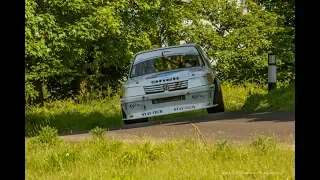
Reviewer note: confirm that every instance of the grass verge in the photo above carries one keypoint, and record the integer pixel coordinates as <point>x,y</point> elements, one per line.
<point>102,158</point>
<point>68,116</point>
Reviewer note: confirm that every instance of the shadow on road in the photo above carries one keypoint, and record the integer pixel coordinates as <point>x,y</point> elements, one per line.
<point>275,116</point>
<point>271,116</point>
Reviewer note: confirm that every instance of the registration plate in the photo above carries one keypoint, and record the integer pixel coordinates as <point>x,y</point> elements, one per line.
<point>168,99</point>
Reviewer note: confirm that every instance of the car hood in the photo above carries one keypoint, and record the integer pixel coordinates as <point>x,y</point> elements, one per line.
<point>167,77</point>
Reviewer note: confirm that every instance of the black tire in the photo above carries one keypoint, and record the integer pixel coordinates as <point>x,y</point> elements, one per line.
<point>124,116</point>
<point>218,99</point>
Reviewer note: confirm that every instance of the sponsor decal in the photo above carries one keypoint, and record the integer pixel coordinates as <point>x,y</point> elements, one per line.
<point>152,112</point>
<point>199,96</point>
<point>167,74</point>
<point>190,107</point>
<point>178,109</point>
<point>177,85</point>
<point>184,108</point>
<point>136,105</point>
<point>162,74</point>
<point>164,80</point>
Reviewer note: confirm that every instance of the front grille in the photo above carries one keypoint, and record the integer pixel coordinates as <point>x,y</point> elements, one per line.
<point>154,89</point>
<point>161,87</point>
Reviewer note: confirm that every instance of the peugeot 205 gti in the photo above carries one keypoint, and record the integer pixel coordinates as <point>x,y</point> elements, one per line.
<point>170,80</point>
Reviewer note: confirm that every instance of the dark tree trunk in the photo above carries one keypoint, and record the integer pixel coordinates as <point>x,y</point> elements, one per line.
<point>38,87</point>
<point>77,87</point>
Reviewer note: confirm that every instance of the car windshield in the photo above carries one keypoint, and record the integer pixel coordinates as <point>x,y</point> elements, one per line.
<point>165,60</point>
<point>165,63</point>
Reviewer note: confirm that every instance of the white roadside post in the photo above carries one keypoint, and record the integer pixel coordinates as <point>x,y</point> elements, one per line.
<point>272,72</point>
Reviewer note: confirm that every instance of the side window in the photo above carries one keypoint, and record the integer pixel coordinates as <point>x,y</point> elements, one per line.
<point>206,58</point>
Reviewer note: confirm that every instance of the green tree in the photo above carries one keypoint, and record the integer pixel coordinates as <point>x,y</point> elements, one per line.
<point>41,61</point>
<point>92,42</point>
<point>237,35</point>
<point>73,41</point>
<point>283,42</point>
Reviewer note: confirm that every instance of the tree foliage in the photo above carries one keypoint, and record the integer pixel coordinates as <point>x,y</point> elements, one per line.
<point>283,42</point>
<point>74,44</point>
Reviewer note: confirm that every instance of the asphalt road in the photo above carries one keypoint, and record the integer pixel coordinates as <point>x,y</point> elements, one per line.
<point>235,126</point>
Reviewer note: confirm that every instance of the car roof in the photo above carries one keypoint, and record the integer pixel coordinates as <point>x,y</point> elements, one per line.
<point>168,47</point>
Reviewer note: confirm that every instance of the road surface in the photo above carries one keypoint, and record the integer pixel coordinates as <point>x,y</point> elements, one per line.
<point>234,126</point>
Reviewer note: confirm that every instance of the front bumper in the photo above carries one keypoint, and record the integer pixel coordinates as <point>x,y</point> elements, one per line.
<point>142,106</point>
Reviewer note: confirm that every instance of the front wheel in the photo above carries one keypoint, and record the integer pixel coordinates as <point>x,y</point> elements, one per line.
<point>217,99</point>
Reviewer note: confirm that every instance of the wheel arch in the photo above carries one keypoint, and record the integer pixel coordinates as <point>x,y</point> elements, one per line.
<point>217,82</point>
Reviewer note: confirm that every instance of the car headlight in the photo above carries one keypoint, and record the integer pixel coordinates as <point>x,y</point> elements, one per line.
<point>122,92</point>
<point>135,91</point>
<point>131,91</point>
<point>209,78</point>
<point>200,81</point>
<point>197,82</point>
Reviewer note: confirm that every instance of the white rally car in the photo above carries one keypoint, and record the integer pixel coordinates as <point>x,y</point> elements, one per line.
<point>170,80</point>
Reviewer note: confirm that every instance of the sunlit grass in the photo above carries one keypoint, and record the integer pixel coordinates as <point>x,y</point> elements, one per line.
<point>100,158</point>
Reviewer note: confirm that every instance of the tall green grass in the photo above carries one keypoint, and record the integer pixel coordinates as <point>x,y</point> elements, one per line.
<point>103,158</point>
<point>68,116</point>
<point>96,109</point>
